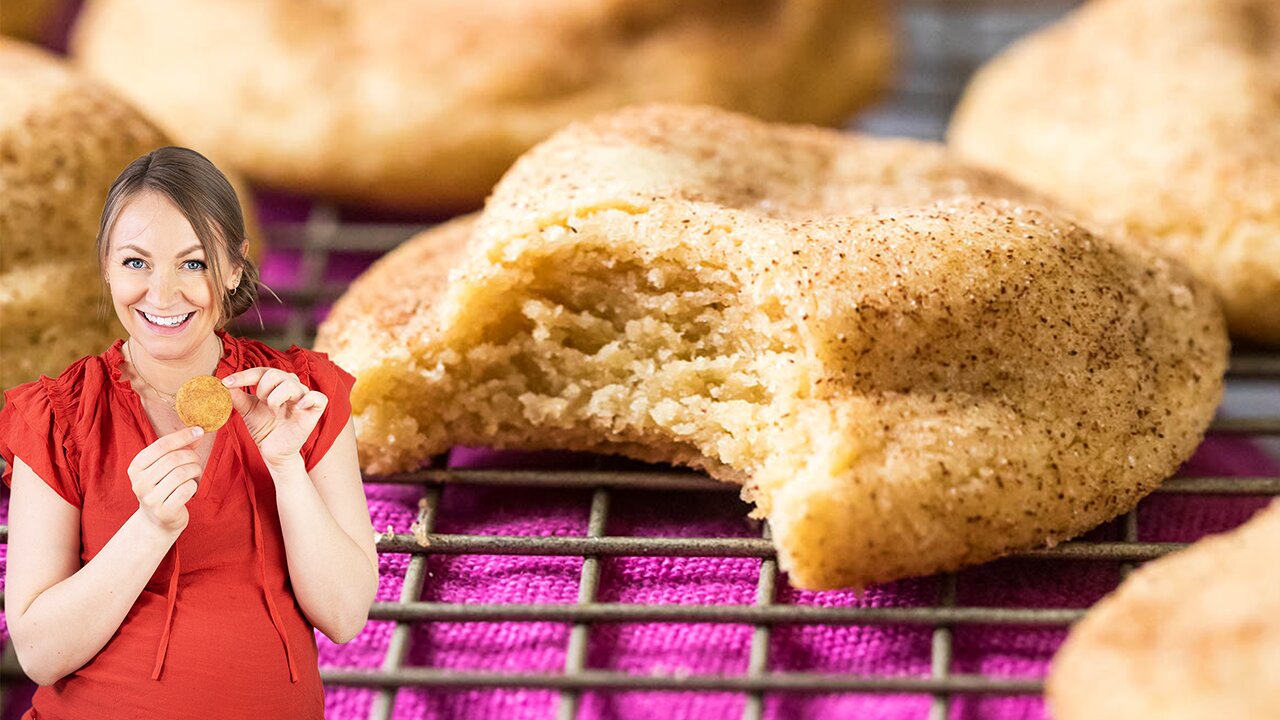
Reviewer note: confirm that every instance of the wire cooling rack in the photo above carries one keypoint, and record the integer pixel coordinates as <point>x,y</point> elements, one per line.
<point>945,40</point>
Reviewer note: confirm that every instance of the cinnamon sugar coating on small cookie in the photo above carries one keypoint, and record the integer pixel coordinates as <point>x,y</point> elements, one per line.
<point>205,402</point>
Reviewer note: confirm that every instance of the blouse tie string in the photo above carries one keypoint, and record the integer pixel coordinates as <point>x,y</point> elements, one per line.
<point>172,599</point>
<point>262,564</point>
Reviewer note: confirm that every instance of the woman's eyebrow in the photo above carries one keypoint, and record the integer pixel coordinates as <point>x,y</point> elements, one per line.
<point>144,253</point>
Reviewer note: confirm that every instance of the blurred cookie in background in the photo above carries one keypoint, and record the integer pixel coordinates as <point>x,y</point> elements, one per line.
<point>63,140</point>
<point>1158,120</point>
<point>423,104</point>
<point>52,314</point>
<point>29,19</point>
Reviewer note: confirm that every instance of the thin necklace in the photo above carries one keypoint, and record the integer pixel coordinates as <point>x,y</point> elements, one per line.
<point>168,399</point>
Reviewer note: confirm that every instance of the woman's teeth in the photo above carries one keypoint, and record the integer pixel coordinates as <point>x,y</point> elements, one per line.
<point>174,321</point>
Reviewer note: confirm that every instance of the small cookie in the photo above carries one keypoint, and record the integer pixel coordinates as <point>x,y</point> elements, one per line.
<point>205,401</point>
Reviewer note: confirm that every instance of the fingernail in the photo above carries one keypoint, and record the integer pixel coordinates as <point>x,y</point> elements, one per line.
<point>226,381</point>
<point>197,431</point>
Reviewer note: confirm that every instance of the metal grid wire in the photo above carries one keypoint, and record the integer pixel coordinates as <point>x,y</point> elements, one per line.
<point>945,39</point>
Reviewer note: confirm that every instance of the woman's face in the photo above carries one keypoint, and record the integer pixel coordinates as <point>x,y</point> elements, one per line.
<point>161,282</point>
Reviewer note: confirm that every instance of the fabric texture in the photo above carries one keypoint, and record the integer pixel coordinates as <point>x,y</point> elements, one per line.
<point>216,633</point>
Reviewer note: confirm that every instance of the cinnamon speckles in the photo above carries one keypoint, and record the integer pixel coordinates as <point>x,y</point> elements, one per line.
<point>205,402</point>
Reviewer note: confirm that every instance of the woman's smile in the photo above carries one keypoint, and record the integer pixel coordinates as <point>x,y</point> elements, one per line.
<point>167,324</point>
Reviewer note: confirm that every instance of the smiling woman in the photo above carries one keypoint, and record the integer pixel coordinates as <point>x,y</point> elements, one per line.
<point>170,232</point>
<point>119,509</point>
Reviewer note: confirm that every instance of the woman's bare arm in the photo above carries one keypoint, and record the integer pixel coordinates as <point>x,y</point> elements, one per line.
<point>328,539</point>
<point>59,613</point>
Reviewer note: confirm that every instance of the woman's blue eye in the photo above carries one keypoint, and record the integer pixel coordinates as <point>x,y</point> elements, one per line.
<point>199,264</point>
<point>139,266</point>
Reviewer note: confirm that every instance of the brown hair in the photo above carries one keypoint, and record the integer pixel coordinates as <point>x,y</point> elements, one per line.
<point>204,196</point>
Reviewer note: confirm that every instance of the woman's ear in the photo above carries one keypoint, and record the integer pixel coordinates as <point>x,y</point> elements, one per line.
<point>244,248</point>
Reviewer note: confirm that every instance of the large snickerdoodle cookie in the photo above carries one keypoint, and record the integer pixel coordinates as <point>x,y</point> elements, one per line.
<point>909,364</point>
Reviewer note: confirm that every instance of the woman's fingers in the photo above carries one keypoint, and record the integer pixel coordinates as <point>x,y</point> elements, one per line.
<point>313,399</point>
<point>285,392</point>
<point>172,482</point>
<point>242,401</point>
<point>164,476</point>
<point>273,381</point>
<point>262,380</point>
<point>181,495</point>
<point>168,462</point>
<point>161,447</point>
<point>273,386</point>
<point>245,378</point>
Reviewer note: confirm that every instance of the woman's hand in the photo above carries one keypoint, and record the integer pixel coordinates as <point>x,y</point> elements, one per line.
<point>281,412</point>
<point>164,476</point>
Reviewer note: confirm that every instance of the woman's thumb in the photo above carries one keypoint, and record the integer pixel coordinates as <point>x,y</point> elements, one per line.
<point>242,401</point>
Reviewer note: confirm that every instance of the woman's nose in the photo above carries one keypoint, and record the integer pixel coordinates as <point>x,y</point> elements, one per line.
<point>162,289</point>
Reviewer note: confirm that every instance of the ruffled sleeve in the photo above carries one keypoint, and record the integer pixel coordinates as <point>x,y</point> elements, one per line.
<point>318,372</point>
<point>33,427</point>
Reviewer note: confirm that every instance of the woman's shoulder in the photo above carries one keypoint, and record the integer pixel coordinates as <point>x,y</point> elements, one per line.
<point>45,419</point>
<point>81,384</point>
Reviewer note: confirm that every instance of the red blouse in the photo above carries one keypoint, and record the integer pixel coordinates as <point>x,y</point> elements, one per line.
<point>217,632</point>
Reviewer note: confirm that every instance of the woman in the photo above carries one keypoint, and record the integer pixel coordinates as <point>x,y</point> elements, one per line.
<point>155,570</point>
